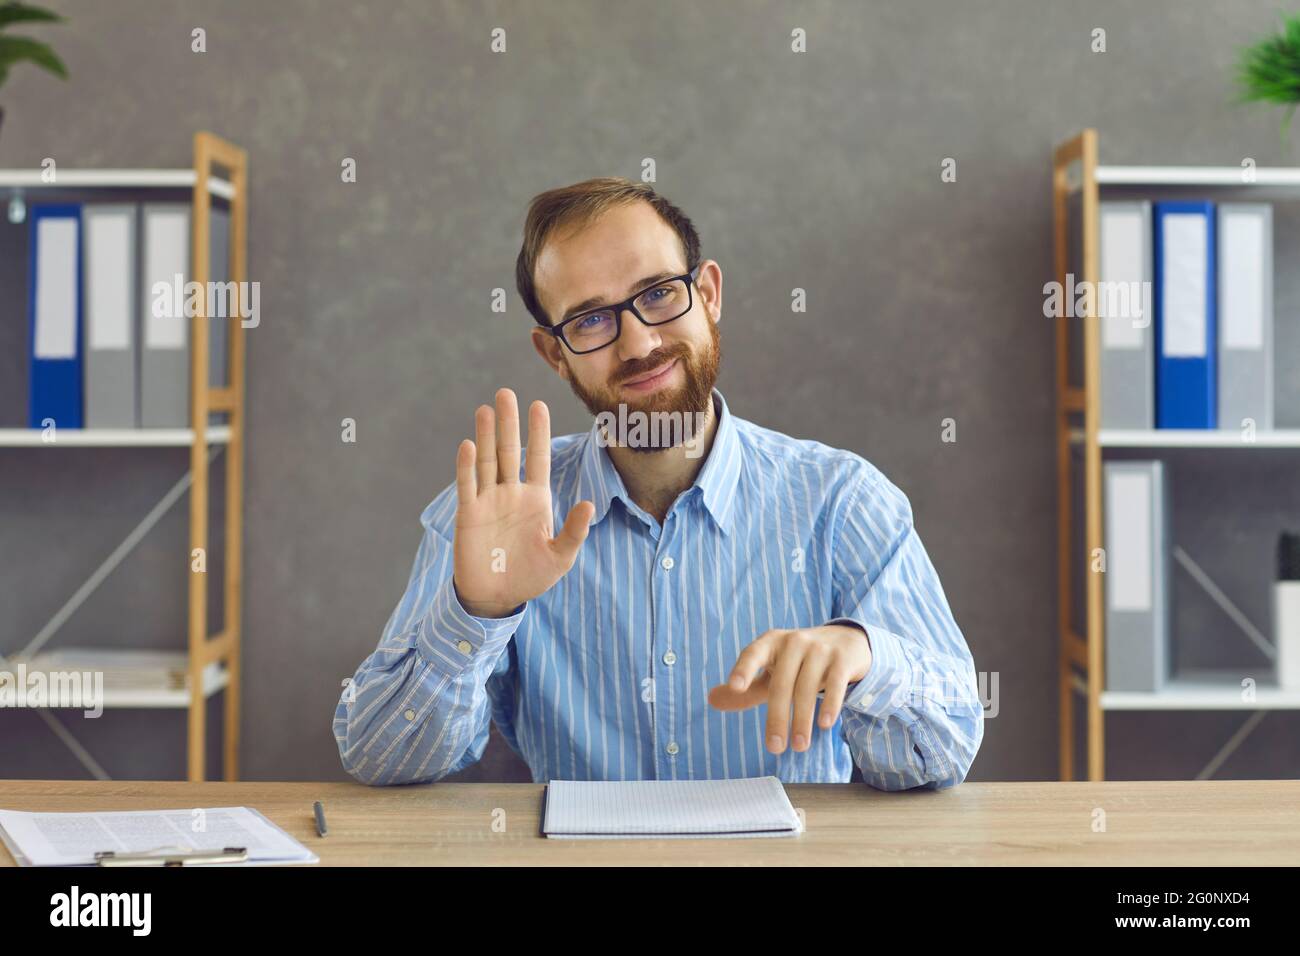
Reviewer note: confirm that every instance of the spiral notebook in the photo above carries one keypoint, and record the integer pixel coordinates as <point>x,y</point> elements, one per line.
<point>666,809</point>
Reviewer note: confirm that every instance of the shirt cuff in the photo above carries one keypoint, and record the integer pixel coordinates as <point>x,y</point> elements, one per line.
<point>888,683</point>
<point>450,638</point>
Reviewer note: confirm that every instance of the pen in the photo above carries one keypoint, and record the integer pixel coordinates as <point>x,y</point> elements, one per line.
<point>320,819</point>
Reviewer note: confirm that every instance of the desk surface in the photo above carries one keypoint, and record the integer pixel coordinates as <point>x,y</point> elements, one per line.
<point>1161,823</point>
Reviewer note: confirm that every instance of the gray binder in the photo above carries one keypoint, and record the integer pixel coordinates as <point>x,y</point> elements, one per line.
<point>1126,316</point>
<point>1245,277</point>
<point>1138,653</point>
<point>109,276</point>
<point>164,339</point>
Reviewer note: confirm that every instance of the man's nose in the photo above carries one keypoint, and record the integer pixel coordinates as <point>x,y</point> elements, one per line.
<point>636,339</point>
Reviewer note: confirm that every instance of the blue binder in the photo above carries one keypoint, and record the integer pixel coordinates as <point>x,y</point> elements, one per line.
<point>54,316</point>
<point>1185,306</point>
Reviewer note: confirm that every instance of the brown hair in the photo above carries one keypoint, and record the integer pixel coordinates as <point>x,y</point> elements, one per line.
<point>580,204</point>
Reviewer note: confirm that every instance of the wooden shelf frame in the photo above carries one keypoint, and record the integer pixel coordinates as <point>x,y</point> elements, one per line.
<point>211,151</point>
<point>1083,652</point>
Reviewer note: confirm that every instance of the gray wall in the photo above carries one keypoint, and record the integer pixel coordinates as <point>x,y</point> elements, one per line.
<point>819,171</point>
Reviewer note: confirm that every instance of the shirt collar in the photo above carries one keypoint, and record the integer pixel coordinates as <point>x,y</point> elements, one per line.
<point>600,482</point>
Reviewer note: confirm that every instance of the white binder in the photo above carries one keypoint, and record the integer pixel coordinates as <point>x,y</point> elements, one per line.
<point>1138,654</point>
<point>1124,305</point>
<point>1245,274</point>
<point>164,338</point>
<point>110,272</point>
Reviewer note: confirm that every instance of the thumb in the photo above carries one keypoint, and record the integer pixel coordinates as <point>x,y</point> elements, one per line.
<point>569,540</point>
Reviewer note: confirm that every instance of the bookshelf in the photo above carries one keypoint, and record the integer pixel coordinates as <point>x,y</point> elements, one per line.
<point>210,663</point>
<point>1076,171</point>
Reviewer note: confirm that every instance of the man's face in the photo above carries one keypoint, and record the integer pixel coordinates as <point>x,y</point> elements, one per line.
<point>662,368</point>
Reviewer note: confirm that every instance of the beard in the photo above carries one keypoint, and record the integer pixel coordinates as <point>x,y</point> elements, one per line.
<point>690,400</point>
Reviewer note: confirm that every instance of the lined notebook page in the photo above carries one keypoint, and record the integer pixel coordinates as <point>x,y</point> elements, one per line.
<point>656,809</point>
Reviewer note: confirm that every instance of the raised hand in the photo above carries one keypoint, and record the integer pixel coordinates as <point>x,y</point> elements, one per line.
<point>505,550</point>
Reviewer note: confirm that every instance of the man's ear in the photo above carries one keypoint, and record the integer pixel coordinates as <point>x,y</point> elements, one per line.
<point>548,347</point>
<point>710,282</point>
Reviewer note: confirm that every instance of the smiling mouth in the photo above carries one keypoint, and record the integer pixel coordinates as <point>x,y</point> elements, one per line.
<point>654,377</point>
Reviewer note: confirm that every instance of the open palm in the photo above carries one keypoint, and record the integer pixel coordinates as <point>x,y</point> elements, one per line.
<point>506,551</point>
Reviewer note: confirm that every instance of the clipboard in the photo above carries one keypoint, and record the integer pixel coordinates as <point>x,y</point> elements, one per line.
<point>172,856</point>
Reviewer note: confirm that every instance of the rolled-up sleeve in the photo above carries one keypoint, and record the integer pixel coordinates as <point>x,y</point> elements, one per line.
<point>916,719</point>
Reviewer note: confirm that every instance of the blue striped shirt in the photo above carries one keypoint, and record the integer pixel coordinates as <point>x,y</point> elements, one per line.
<point>606,675</point>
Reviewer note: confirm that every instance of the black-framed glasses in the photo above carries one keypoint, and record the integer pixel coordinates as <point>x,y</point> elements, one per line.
<point>662,302</point>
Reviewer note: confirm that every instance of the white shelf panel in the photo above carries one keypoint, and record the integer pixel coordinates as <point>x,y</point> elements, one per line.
<point>1194,176</point>
<point>215,678</point>
<point>109,437</point>
<point>1191,438</point>
<point>1206,690</point>
<point>114,178</point>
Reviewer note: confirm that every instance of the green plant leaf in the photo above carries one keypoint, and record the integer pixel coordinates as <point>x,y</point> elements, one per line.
<point>23,13</point>
<point>16,49</point>
<point>1269,71</point>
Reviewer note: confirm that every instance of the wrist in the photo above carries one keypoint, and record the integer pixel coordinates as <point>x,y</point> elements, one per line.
<point>484,609</point>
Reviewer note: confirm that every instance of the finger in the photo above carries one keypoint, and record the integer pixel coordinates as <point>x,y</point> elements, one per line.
<point>466,491</point>
<point>569,540</point>
<point>752,659</point>
<point>837,685</point>
<point>785,669</point>
<point>537,466</point>
<point>508,442</point>
<point>806,686</point>
<point>485,430</point>
<point>724,697</point>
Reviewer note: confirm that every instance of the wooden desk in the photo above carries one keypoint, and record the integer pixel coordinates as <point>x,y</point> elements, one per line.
<point>1177,823</point>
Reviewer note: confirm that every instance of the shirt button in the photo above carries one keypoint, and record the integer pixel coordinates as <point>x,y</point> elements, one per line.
<point>409,715</point>
<point>667,563</point>
<point>670,658</point>
<point>672,749</point>
<point>464,647</point>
